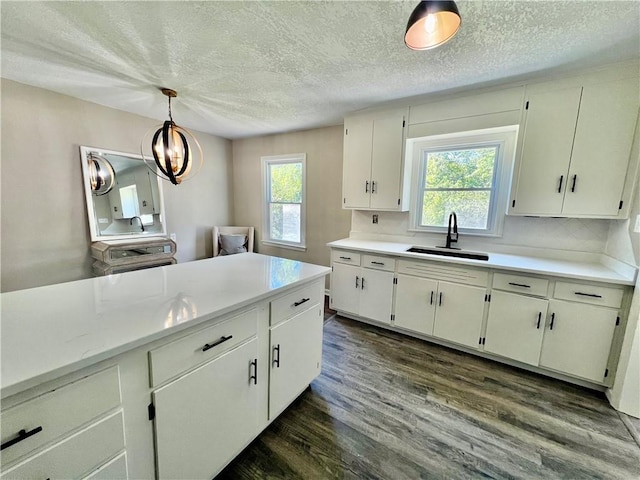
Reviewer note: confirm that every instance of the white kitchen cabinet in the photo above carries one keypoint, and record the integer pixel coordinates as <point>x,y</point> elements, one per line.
<point>204,418</point>
<point>459,313</point>
<point>374,176</point>
<point>578,339</point>
<point>575,150</point>
<point>362,291</point>
<point>445,310</point>
<point>296,357</point>
<point>415,304</point>
<point>515,326</point>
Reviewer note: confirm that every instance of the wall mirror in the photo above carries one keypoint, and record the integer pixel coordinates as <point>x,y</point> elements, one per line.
<point>124,197</point>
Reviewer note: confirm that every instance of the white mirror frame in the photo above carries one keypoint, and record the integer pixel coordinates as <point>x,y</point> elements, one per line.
<point>96,236</point>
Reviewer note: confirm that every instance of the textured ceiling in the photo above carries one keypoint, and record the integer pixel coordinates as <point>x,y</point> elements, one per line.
<point>251,68</point>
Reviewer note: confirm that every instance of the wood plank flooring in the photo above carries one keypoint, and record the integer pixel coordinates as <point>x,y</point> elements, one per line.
<point>392,407</point>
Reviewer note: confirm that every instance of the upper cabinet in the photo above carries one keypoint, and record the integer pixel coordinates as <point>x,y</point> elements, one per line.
<point>575,150</point>
<point>374,176</point>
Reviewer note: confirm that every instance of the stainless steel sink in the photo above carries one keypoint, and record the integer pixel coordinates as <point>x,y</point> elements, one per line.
<point>449,253</point>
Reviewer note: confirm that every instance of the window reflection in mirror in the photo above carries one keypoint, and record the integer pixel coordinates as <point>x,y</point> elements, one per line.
<point>133,208</point>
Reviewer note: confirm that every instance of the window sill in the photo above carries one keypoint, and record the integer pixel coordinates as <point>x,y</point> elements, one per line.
<point>460,232</point>
<point>270,243</point>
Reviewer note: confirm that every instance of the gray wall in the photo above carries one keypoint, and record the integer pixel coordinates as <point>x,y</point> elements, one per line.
<point>326,220</point>
<point>43,227</point>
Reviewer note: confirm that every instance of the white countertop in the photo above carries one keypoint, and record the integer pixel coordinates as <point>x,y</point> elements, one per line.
<point>53,330</point>
<point>589,267</point>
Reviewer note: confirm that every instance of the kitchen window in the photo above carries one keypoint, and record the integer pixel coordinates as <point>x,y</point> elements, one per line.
<point>284,200</point>
<point>467,173</point>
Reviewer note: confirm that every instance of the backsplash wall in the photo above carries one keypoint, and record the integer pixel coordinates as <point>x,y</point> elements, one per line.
<point>584,235</point>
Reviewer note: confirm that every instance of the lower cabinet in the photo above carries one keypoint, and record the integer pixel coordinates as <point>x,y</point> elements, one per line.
<point>459,313</point>
<point>204,418</point>
<point>362,291</point>
<point>515,326</point>
<point>578,339</point>
<point>296,354</point>
<point>445,310</point>
<point>569,337</point>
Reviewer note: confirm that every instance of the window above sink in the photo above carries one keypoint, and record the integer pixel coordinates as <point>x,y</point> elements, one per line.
<point>465,172</point>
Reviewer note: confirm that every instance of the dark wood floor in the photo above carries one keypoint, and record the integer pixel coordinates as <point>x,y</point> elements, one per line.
<point>391,407</point>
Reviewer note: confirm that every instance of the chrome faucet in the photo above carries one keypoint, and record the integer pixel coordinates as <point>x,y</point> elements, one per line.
<point>453,218</point>
<point>140,220</point>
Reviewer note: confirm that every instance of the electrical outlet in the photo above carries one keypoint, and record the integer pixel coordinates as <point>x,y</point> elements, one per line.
<point>636,227</point>
<point>172,236</point>
<point>375,218</point>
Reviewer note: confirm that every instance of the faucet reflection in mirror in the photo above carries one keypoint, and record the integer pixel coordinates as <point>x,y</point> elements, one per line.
<point>173,156</point>
<point>133,207</point>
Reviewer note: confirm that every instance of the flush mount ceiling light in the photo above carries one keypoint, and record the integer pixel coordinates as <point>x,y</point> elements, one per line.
<point>101,174</point>
<point>431,24</point>
<point>172,154</point>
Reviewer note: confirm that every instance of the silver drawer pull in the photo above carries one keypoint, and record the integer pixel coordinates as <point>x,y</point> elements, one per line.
<point>304,300</point>
<point>377,263</point>
<point>593,295</point>
<point>519,285</point>
<point>208,346</point>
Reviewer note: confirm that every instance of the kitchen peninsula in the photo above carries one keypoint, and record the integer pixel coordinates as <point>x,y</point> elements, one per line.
<point>164,372</point>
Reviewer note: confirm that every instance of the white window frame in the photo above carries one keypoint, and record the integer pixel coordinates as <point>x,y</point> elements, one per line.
<point>504,137</point>
<point>267,161</point>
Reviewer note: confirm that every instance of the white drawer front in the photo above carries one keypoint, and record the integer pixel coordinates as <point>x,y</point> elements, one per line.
<point>59,412</point>
<point>187,352</point>
<point>441,271</point>
<point>115,469</point>
<point>593,294</point>
<point>343,256</point>
<point>297,301</point>
<point>76,455</point>
<point>380,263</point>
<point>521,284</point>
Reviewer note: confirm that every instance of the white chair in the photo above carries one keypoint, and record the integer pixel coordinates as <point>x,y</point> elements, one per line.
<point>226,235</point>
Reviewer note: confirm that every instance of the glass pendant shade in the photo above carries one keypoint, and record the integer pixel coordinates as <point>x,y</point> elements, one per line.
<point>173,150</point>
<point>102,177</point>
<point>431,24</point>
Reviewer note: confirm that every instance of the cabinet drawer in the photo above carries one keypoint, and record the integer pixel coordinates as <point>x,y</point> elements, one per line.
<point>593,294</point>
<point>521,284</point>
<point>187,352</point>
<point>297,301</point>
<point>442,271</point>
<point>115,469</point>
<point>76,455</point>
<point>381,263</point>
<point>56,413</point>
<point>342,256</point>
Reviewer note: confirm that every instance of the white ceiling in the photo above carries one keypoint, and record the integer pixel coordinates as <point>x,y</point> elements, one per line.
<point>251,68</point>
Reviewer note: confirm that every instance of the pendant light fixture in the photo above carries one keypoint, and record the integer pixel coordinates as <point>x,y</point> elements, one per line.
<point>172,153</point>
<point>431,24</point>
<point>102,177</point>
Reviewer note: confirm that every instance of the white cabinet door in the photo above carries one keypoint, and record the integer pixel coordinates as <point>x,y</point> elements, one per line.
<point>345,288</point>
<point>600,157</point>
<point>356,180</point>
<point>143,188</point>
<point>578,339</point>
<point>459,313</point>
<point>206,417</point>
<point>546,151</point>
<point>376,294</point>
<point>296,356</point>
<point>386,162</point>
<point>515,326</point>
<point>415,303</point>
